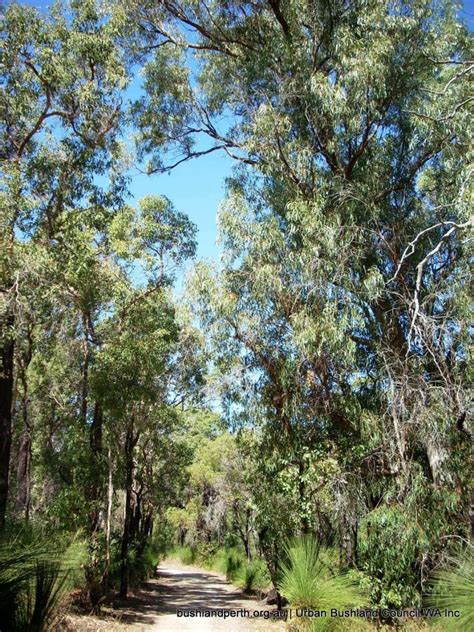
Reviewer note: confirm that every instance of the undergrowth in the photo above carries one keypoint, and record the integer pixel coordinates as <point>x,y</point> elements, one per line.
<point>252,576</point>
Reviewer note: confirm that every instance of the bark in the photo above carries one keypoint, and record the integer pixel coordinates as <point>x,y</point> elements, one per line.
<point>471,517</point>
<point>6,399</point>
<point>96,430</point>
<point>244,532</point>
<point>302,493</point>
<point>248,529</point>
<point>147,525</point>
<point>130,442</point>
<point>110,496</point>
<point>437,456</point>
<point>136,516</point>
<point>95,493</point>
<point>349,543</point>
<point>85,381</point>
<point>23,497</point>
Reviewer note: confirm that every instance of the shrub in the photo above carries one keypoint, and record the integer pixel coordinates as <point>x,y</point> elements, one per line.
<point>33,582</point>
<point>391,543</point>
<point>307,582</point>
<point>454,589</point>
<point>234,561</point>
<point>144,560</point>
<point>185,554</point>
<point>255,576</point>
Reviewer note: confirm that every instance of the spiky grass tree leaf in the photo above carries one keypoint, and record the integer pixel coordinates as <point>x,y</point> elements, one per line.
<point>33,581</point>
<point>301,574</point>
<point>454,590</point>
<point>308,583</point>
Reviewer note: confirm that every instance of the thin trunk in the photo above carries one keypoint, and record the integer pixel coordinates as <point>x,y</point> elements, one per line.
<point>110,496</point>
<point>136,516</point>
<point>302,493</point>
<point>96,430</point>
<point>130,443</point>
<point>95,439</point>
<point>248,530</point>
<point>23,497</point>
<point>6,399</point>
<point>471,517</point>
<point>349,543</point>
<point>85,372</point>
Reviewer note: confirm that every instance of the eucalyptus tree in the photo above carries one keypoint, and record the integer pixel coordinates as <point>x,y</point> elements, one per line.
<point>107,369</point>
<point>136,373</point>
<point>61,109</point>
<point>341,308</point>
<point>96,362</point>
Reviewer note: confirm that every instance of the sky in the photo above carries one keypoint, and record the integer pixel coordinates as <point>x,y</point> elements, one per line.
<point>197,186</point>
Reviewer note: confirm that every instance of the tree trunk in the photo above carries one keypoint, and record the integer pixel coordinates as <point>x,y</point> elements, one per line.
<point>349,543</point>
<point>85,382</point>
<point>130,443</point>
<point>302,494</point>
<point>23,497</point>
<point>96,430</point>
<point>95,438</point>
<point>110,497</point>
<point>6,399</point>
<point>248,530</point>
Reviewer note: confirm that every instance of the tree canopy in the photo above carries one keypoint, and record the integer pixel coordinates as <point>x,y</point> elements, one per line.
<point>334,332</point>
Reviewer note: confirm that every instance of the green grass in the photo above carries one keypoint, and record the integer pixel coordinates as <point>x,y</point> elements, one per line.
<point>185,554</point>
<point>255,577</point>
<point>230,561</point>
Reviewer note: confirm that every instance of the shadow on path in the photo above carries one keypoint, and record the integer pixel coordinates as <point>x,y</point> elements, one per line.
<point>185,590</point>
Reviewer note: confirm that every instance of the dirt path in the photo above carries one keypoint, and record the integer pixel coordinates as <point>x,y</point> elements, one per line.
<point>189,588</point>
<point>182,588</point>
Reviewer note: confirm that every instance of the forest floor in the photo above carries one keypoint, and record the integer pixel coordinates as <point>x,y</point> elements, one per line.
<point>180,588</point>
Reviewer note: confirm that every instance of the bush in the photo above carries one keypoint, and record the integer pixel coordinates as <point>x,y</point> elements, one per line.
<point>255,577</point>
<point>234,561</point>
<point>185,554</point>
<point>454,589</point>
<point>144,560</point>
<point>391,543</point>
<point>34,579</point>
<point>307,582</point>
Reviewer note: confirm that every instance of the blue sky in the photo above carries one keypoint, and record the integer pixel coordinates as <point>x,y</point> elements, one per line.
<point>197,186</point>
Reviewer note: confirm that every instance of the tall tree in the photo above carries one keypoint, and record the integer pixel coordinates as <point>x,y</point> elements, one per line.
<point>60,112</point>
<point>343,294</point>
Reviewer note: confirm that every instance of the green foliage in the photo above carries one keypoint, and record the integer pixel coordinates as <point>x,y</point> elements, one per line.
<point>336,324</point>
<point>143,560</point>
<point>34,580</point>
<point>454,590</point>
<point>307,582</point>
<point>255,576</point>
<point>391,544</point>
<point>233,562</point>
<point>252,575</point>
<point>185,554</point>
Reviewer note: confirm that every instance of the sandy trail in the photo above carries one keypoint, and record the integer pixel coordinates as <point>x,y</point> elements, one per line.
<point>192,588</point>
<point>178,587</point>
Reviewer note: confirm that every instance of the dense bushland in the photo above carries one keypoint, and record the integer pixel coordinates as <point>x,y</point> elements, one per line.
<point>333,336</point>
